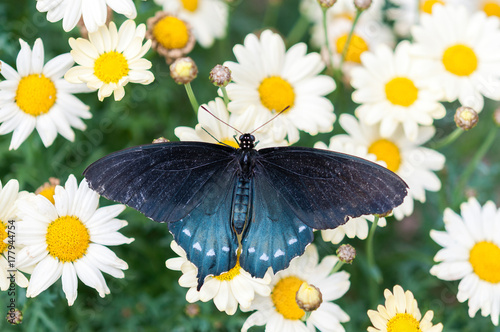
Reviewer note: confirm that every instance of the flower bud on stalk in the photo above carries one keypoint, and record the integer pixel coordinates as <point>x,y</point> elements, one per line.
<point>466,118</point>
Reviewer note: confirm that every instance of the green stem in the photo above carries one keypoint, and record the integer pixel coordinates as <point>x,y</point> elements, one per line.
<point>327,41</point>
<point>349,37</point>
<point>348,41</point>
<point>337,267</point>
<point>448,139</point>
<point>374,270</point>
<point>224,94</point>
<point>297,31</point>
<point>192,98</point>
<point>472,166</point>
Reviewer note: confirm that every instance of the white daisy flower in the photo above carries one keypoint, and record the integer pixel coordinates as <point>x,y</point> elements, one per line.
<point>395,90</point>
<point>9,246</point>
<point>36,96</point>
<point>355,227</point>
<point>226,290</point>
<point>280,311</point>
<point>208,18</point>
<point>471,254</point>
<point>209,129</point>
<point>94,13</point>
<point>401,313</point>
<point>271,79</point>
<point>412,162</point>
<point>68,240</point>
<point>110,59</point>
<point>463,52</point>
<point>407,12</point>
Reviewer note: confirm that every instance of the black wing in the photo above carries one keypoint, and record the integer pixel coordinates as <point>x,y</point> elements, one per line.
<point>324,188</point>
<point>165,181</point>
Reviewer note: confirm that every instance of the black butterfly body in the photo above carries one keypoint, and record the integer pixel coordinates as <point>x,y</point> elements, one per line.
<point>217,199</point>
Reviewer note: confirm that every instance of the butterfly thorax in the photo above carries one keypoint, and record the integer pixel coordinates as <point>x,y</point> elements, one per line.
<point>246,156</point>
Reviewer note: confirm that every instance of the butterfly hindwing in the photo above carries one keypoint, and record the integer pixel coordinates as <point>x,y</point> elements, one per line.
<point>275,234</point>
<point>325,188</point>
<point>206,234</point>
<point>164,181</point>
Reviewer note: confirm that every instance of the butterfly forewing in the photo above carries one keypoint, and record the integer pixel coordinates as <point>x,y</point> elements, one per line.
<point>324,188</point>
<point>164,181</point>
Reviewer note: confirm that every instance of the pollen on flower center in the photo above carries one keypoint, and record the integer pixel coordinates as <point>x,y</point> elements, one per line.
<point>36,94</point>
<point>276,94</point>
<point>67,239</point>
<point>283,297</point>
<point>230,142</point>
<point>190,5</point>
<point>387,151</point>
<point>110,67</point>
<point>403,322</point>
<point>401,91</point>
<point>171,32</point>
<point>426,5</point>
<point>485,260</point>
<point>357,46</point>
<point>491,8</point>
<point>3,236</point>
<point>229,275</point>
<point>460,60</point>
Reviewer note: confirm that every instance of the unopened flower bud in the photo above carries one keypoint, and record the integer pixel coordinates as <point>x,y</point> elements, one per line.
<point>466,118</point>
<point>160,140</point>
<point>183,70</point>
<point>362,4</point>
<point>326,3</point>
<point>220,76</point>
<point>308,297</point>
<point>346,253</point>
<point>496,116</point>
<point>192,310</point>
<point>15,316</point>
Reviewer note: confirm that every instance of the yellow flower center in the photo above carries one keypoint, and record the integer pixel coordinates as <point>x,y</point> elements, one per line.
<point>403,323</point>
<point>110,67</point>
<point>67,239</point>
<point>386,151</point>
<point>283,296</point>
<point>36,94</point>
<point>48,192</point>
<point>190,5</point>
<point>171,32</point>
<point>3,236</point>
<point>401,91</point>
<point>357,46</point>
<point>276,93</point>
<point>426,5</point>
<point>229,275</point>
<point>230,142</point>
<point>460,60</point>
<point>485,260</point>
<point>491,8</point>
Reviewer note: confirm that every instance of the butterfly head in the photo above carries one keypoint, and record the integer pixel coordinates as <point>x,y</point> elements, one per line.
<point>247,141</point>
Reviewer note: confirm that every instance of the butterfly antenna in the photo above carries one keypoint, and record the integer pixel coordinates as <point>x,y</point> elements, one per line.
<point>274,117</point>
<point>224,122</point>
<point>215,138</point>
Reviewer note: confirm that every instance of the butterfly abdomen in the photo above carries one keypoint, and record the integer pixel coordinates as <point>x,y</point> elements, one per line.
<point>241,204</point>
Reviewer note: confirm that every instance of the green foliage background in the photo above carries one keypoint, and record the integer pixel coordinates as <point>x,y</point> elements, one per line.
<point>149,297</point>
